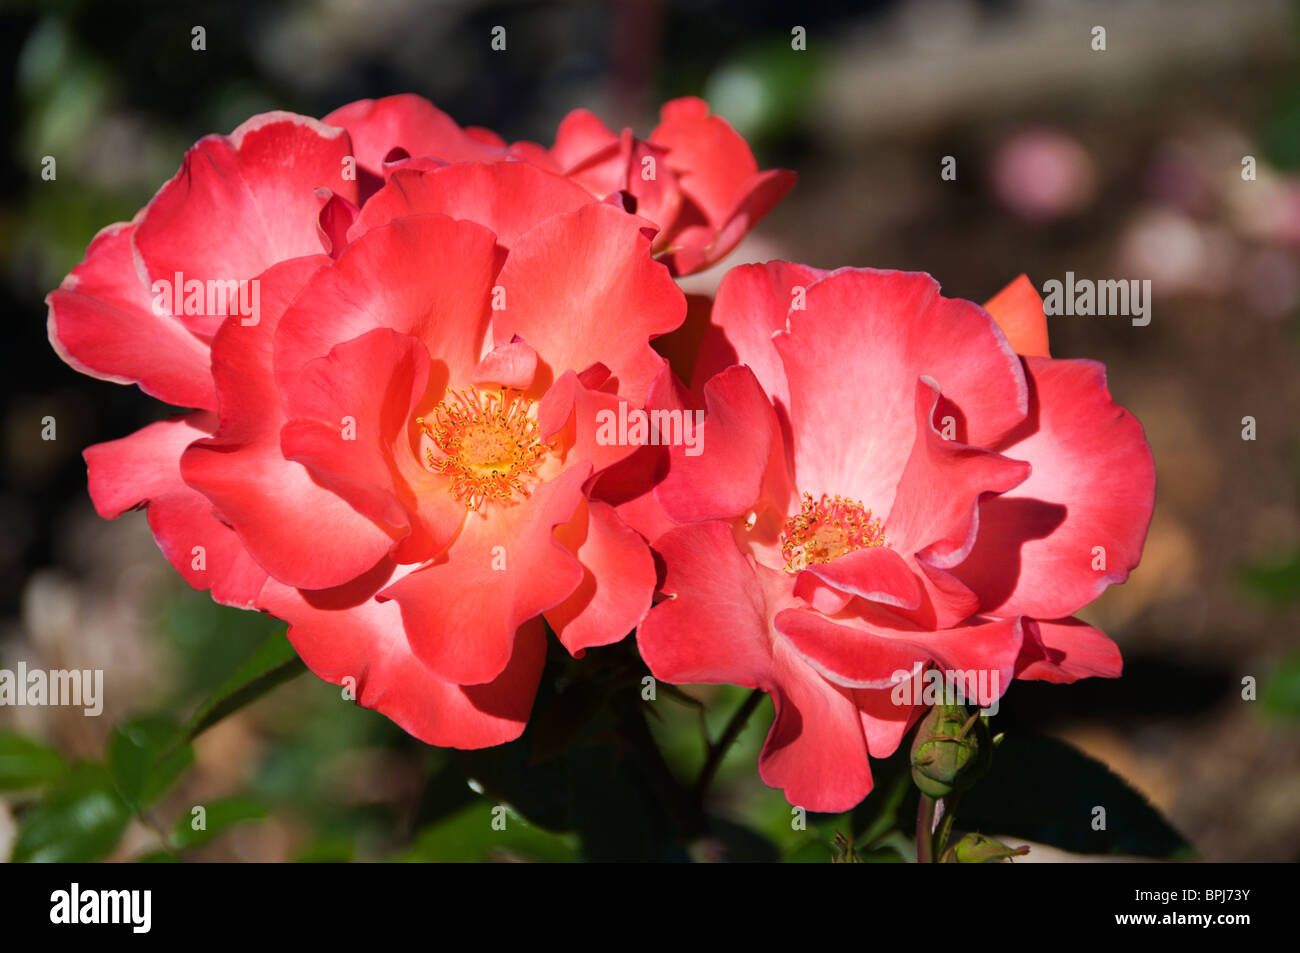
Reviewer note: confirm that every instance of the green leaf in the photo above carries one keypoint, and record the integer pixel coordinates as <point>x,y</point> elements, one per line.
<point>27,764</point>
<point>1275,583</point>
<point>218,817</point>
<point>210,640</point>
<point>810,852</point>
<point>81,819</point>
<point>1281,134</point>
<point>144,759</point>
<point>1282,690</point>
<point>272,663</point>
<point>1046,791</point>
<point>470,835</point>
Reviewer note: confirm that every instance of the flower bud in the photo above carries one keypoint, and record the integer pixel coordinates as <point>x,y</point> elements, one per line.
<point>948,742</point>
<point>979,849</point>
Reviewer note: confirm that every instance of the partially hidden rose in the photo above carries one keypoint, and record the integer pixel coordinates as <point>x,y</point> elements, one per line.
<point>694,177</point>
<point>891,482</point>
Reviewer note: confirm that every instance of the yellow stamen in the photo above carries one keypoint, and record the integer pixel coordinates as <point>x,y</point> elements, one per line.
<point>826,529</point>
<point>491,446</point>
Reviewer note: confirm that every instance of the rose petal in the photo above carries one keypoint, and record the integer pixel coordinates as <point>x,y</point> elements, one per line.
<point>345,633</point>
<point>505,568</point>
<point>142,470</point>
<point>102,323</point>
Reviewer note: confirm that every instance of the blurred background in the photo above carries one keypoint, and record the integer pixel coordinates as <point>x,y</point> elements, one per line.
<point>1125,163</point>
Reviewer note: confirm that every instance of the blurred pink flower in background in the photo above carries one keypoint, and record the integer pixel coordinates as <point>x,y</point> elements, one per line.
<point>1043,175</point>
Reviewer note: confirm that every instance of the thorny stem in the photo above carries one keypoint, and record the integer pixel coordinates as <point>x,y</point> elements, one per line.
<point>718,751</point>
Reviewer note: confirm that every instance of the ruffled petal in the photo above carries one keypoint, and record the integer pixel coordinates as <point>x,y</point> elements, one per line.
<point>583,424</point>
<point>935,511</point>
<point>510,365</point>
<point>301,533</point>
<point>261,184</point>
<point>581,288</point>
<point>348,413</point>
<point>876,573</point>
<point>1078,523</point>
<point>143,470</point>
<point>1066,650</point>
<point>852,358</point>
<point>508,197</point>
<point>884,723</point>
<point>412,124</point>
<point>751,306</point>
<point>604,163</point>
<point>713,627</point>
<point>815,750</point>
<point>723,193</point>
<point>580,136</point>
<point>870,652</point>
<point>385,279</point>
<point>617,583</point>
<point>346,634</point>
<point>738,454</point>
<point>505,567</point>
<point>102,322</point>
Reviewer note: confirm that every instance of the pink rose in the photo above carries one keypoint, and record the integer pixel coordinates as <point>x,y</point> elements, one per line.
<point>695,177</point>
<point>394,444</point>
<point>885,485</point>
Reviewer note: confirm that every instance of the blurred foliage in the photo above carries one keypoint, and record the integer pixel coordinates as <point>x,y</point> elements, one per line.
<point>1282,689</point>
<point>604,772</point>
<point>81,818</point>
<point>27,764</point>
<point>764,91</point>
<point>207,639</point>
<point>145,757</point>
<point>461,837</point>
<point>1277,584</point>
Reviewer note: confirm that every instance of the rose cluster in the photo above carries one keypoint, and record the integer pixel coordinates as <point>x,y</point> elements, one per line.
<point>401,344</point>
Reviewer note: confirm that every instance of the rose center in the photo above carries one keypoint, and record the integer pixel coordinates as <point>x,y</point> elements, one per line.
<point>826,529</point>
<point>489,445</point>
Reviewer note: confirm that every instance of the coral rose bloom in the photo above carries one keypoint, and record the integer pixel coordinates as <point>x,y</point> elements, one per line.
<point>885,485</point>
<point>695,177</point>
<point>392,452</point>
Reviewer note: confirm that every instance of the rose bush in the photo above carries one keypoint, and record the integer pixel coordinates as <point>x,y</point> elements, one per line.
<point>398,339</point>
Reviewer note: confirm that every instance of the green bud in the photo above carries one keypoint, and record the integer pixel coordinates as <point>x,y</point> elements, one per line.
<point>978,849</point>
<point>948,742</point>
